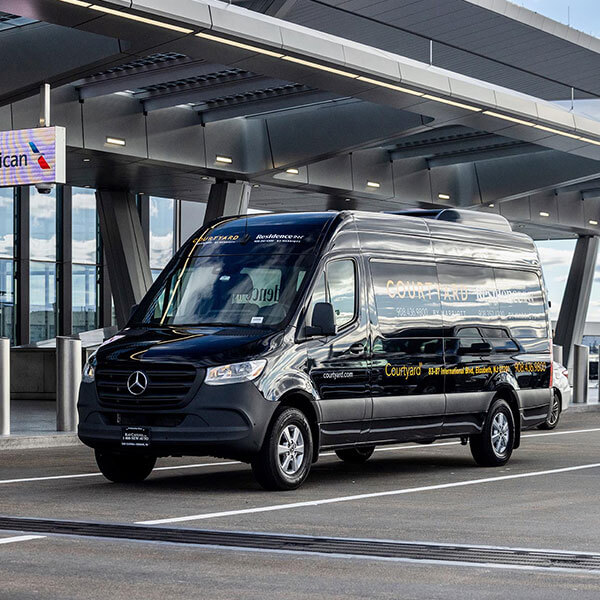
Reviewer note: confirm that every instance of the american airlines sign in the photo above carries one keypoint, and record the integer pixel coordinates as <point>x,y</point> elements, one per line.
<point>30,156</point>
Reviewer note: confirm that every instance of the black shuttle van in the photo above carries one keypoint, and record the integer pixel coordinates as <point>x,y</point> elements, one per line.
<point>269,338</point>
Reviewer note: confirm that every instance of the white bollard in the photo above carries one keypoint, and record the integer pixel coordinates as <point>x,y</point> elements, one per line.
<point>4,386</point>
<point>68,378</point>
<point>581,373</point>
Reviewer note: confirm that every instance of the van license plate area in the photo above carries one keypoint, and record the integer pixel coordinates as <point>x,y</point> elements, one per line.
<point>138,437</point>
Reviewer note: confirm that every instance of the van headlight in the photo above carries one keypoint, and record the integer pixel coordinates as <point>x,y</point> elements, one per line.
<point>89,370</point>
<point>235,373</point>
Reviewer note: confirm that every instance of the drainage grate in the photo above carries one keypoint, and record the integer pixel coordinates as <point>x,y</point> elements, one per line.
<point>516,557</point>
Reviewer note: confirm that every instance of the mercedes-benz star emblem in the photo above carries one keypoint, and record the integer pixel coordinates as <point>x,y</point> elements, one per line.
<point>137,383</point>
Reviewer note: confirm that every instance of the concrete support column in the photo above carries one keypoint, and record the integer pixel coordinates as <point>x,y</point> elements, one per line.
<point>227,198</point>
<point>576,299</point>
<point>124,249</point>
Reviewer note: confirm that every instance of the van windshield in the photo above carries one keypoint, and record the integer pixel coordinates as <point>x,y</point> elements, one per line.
<point>230,289</point>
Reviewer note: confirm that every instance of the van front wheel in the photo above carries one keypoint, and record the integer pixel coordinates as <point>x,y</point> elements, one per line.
<point>124,468</point>
<point>494,445</point>
<point>284,461</point>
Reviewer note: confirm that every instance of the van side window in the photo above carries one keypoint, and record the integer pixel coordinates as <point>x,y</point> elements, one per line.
<point>319,295</point>
<point>499,339</point>
<point>406,298</point>
<point>521,304</point>
<point>467,294</point>
<point>341,288</point>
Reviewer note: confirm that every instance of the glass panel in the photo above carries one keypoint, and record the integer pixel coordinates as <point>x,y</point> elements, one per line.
<point>84,298</point>
<point>521,304</point>
<point>407,298</point>
<point>42,311</point>
<point>319,295</point>
<point>85,243</point>
<point>468,295</point>
<point>219,290</point>
<point>7,221</point>
<point>341,284</point>
<point>7,299</point>
<point>161,231</point>
<point>43,225</point>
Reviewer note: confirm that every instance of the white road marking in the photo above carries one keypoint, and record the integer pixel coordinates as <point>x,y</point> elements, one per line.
<point>20,538</point>
<point>235,462</point>
<point>335,500</point>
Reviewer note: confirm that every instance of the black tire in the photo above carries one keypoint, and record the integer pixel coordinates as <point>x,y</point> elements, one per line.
<point>552,421</point>
<point>357,455</point>
<point>124,468</point>
<point>276,470</point>
<point>494,445</point>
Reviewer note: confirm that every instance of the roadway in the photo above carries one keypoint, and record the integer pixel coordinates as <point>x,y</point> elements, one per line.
<point>545,498</point>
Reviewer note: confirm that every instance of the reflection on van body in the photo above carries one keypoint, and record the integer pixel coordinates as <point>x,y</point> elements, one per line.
<point>268,338</point>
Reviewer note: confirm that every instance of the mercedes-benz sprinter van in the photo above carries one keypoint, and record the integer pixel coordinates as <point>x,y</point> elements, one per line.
<point>270,338</point>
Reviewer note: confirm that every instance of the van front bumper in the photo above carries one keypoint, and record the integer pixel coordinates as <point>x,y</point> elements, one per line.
<point>227,420</point>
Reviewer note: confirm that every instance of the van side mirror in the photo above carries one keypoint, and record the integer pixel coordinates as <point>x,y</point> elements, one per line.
<point>323,320</point>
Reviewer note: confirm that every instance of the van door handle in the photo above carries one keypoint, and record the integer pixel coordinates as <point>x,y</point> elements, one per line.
<point>357,348</point>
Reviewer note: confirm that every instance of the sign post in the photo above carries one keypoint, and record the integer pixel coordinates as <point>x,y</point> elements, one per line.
<point>33,156</point>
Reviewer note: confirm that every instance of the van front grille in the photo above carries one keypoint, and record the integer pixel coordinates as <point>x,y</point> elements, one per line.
<point>167,386</point>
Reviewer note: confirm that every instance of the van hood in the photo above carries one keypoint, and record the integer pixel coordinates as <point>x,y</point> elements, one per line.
<point>200,346</point>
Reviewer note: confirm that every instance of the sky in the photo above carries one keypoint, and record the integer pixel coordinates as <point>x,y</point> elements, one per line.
<point>580,14</point>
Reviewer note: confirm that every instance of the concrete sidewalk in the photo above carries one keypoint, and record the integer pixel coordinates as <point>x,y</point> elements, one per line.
<point>33,425</point>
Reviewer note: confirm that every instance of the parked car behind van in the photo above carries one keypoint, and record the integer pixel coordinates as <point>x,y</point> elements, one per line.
<point>269,338</point>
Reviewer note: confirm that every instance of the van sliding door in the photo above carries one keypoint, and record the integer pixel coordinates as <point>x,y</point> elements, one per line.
<point>407,352</point>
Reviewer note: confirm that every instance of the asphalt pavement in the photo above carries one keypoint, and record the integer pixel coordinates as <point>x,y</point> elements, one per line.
<point>454,530</point>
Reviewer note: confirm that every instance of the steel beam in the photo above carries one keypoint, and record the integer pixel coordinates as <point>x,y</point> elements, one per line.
<point>576,298</point>
<point>248,108</point>
<point>204,91</point>
<point>125,250</point>
<point>485,154</point>
<point>142,77</point>
<point>227,198</point>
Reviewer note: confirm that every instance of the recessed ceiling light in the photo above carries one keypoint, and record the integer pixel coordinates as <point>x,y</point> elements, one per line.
<point>114,141</point>
<point>451,102</point>
<point>292,171</point>
<point>443,196</point>
<point>256,185</point>
<point>390,86</point>
<point>78,3</point>
<point>87,159</point>
<point>544,214</point>
<point>507,118</point>
<point>314,65</point>
<point>373,184</point>
<point>205,178</point>
<point>593,222</point>
<point>214,38</point>
<point>491,205</point>
<point>224,159</point>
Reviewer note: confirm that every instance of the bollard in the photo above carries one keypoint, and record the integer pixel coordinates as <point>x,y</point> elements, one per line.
<point>4,386</point>
<point>557,354</point>
<point>581,371</point>
<point>68,378</point>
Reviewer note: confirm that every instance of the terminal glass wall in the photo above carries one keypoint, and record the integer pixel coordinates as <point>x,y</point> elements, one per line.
<point>162,238</point>
<point>85,260</point>
<point>7,293</point>
<point>43,311</point>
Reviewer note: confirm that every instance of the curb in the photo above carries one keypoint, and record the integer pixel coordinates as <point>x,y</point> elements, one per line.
<point>29,442</point>
<point>580,408</point>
